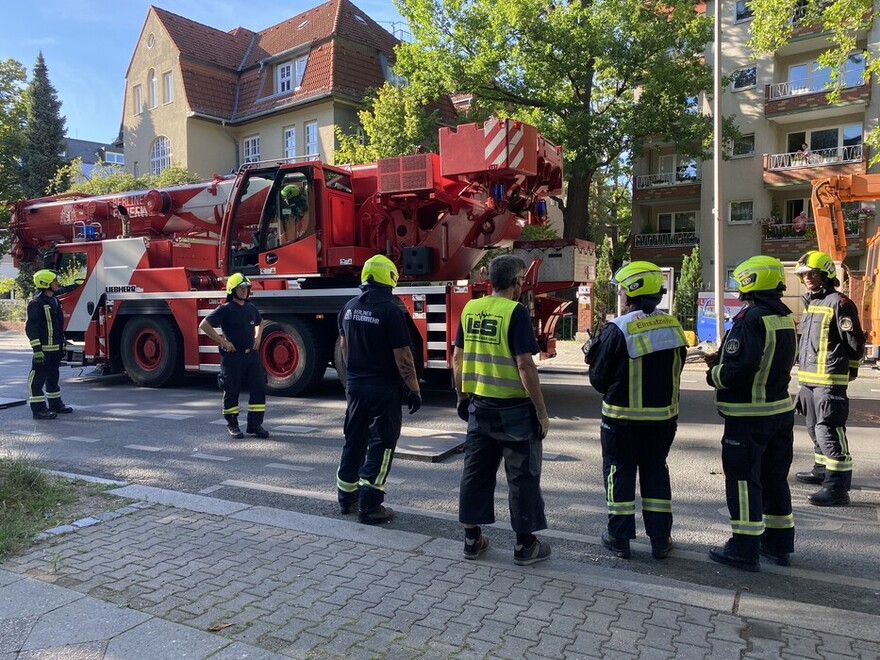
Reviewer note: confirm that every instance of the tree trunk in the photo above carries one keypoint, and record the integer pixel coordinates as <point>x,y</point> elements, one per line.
<point>577,212</point>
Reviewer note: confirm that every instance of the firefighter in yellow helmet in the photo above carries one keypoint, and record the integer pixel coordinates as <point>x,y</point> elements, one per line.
<point>500,398</point>
<point>831,347</point>
<point>380,377</point>
<point>750,375</point>
<point>240,363</point>
<point>636,363</point>
<point>45,330</point>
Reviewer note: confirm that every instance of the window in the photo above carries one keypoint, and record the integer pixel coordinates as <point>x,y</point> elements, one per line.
<point>743,11</point>
<point>251,149</point>
<point>138,99</point>
<point>290,142</point>
<point>153,89</point>
<point>112,158</point>
<point>740,213</point>
<point>160,155</point>
<point>300,70</point>
<point>743,146</point>
<point>795,208</point>
<point>284,77</point>
<point>854,71</point>
<point>676,222</point>
<point>312,139</point>
<point>167,87</point>
<point>745,78</point>
<point>678,168</point>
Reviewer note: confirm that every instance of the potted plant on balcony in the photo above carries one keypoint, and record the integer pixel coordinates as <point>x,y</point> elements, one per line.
<point>770,227</point>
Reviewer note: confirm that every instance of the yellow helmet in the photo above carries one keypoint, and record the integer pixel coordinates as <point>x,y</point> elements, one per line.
<point>639,278</point>
<point>379,270</point>
<point>43,278</point>
<point>290,192</point>
<point>815,260</point>
<point>759,273</point>
<point>236,280</point>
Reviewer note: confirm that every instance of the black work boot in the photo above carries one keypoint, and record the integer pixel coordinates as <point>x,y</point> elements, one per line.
<point>258,431</point>
<point>661,547</point>
<point>730,555</point>
<point>377,516</point>
<point>59,408</point>
<point>232,427</point>
<point>619,547</point>
<point>44,413</point>
<point>778,558</point>
<point>814,476</point>
<point>829,497</point>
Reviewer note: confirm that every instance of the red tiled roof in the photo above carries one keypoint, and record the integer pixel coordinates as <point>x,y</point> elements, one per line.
<point>231,74</point>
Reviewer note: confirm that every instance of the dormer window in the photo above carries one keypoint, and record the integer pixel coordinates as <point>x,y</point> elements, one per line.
<point>302,25</point>
<point>300,69</point>
<point>285,77</point>
<point>360,19</point>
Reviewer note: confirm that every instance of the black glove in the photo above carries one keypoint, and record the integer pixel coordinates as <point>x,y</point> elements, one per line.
<point>463,409</point>
<point>39,357</point>
<point>413,400</point>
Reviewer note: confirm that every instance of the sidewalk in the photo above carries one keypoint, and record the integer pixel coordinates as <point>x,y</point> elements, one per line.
<point>176,575</point>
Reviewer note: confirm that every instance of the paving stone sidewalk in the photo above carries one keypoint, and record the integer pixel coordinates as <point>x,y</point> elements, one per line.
<point>207,578</point>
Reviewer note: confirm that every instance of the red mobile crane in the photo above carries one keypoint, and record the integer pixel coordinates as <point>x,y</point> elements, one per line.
<point>864,286</point>
<point>147,266</point>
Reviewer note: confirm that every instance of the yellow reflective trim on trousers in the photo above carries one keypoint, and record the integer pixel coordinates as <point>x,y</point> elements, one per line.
<point>742,494</point>
<point>657,506</point>
<point>754,410</point>
<point>50,330</point>
<point>813,378</point>
<point>609,486</point>
<point>819,459</point>
<point>257,407</point>
<point>345,486</point>
<point>622,509</point>
<point>779,522</point>
<point>644,414</point>
<point>838,466</point>
<point>743,525</point>
<point>53,395</point>
<point>379,483</point>
<point>747,527</point>
<point>231,411</point>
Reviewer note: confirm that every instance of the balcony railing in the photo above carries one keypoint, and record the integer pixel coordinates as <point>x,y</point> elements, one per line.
<point>817,158</point>
<point>666,179</point>
<point>788,231</point>
<point>667,240</point>
<point>796,88</point>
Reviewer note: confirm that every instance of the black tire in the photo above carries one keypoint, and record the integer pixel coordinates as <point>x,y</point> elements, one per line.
<point>150,349</point>
<point>293,356</point>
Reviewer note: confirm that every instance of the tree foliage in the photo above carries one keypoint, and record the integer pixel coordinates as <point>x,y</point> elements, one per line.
<point>106,179</point>
<point>841,19</point>
<point>600,77</point>
<point>44,133</point>
<point>12,117</point>
<point>690,283</point>
<point>394,123</point>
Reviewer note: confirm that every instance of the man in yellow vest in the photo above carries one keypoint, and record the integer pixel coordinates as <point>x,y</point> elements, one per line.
<point>636,364</point>
<point>499,395</point>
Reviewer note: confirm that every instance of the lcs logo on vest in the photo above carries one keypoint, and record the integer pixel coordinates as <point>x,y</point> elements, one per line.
<point>484,328</point>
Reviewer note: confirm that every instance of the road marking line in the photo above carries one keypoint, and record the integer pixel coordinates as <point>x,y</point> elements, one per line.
<point>209,490</point>
<point>294,429</point>
<point>122,412</point>
<point>210,457</point>
<point>288,466</point>
<point>327,497</point>
<point>394,481</point>
<point>174,417</point>
<point>550,455</point>
<point>143,448</point>
<point>77,438</point>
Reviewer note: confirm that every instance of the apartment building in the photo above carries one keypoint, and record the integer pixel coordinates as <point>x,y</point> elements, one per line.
<point>210,100</point>
<point>791,134</point>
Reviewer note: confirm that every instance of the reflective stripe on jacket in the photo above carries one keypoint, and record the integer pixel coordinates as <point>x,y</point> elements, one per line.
<point>832,340</point>
<point>489,367</point>
<point>45,323</point>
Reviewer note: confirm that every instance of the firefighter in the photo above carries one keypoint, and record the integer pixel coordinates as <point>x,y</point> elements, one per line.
<point>45,330</point>
<point>380,375</point>
<point>240,363</point>
<point>636,363</point>
<point>832,344</point>
<point>750,375</point>
<point>499,396</point>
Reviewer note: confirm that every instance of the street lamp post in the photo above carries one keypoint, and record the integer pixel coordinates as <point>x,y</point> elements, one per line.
<point>718,210</point>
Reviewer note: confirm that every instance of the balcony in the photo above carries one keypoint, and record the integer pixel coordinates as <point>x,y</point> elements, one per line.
<point>792,168</point>
<point>790,101</point>
<point>785,242</point>
<point>664,246</point>
<point>669,185</point>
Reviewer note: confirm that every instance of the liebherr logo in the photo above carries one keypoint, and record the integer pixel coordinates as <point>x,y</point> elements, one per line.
<point>128,288</point>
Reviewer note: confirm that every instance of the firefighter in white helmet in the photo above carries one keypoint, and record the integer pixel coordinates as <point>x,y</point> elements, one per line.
<point>45,330</point>
<point>240,363</point>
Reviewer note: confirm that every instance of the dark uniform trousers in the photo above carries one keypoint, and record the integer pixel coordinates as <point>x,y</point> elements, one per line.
<point>511,434</point>
<point>642,447</point>
<point>45,374</point>
<point>372,428</point>
<point>756,453</point>
<point>243,369</point>
<point>827,409</point>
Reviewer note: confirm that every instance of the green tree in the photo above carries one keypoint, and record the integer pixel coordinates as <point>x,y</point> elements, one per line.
<point>600,77</point>
<point>604,292</point>
<point>690,283</point>
<point>106,179</point>
<point>12,117</point>
<point>843,20</point>
<point>44,133</point>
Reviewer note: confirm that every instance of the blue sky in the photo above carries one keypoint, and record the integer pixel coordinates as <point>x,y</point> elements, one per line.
<point>87,45</point>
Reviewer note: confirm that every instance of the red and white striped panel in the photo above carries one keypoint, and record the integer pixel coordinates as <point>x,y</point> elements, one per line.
<point>505,146</point>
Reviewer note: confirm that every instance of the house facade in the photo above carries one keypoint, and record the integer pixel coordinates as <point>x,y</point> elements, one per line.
<point>791,134</point>
<point>211,101</point>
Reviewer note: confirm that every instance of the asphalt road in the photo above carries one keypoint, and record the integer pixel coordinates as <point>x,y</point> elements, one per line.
<point>175,438</point>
